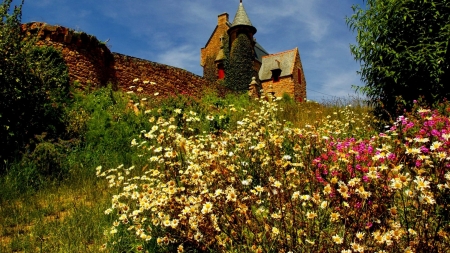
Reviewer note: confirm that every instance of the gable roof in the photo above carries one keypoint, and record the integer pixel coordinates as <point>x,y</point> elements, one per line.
<point>283,60</point>
<point>212,34</point>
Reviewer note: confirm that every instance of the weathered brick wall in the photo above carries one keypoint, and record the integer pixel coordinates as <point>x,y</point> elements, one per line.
<point>90,62</point>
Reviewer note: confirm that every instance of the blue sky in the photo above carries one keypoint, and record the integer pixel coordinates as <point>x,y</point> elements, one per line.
<point>173,31</point>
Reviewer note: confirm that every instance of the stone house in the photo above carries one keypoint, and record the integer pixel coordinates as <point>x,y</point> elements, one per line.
<point>282,73</point>
<point>278,73</point>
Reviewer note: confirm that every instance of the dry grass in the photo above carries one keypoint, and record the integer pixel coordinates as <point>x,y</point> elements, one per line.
<point>41,222</point>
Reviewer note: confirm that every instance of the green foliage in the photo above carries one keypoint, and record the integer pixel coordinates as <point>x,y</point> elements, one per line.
<point>226,60</point>
<point>240,68</point>
<point>210,72</point>
<point>403,48</point>
<point>105,125</point>
<point>34,86</point>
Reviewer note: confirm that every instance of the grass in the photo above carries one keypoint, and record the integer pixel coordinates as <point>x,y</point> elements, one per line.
<point>55,219</point>
<point>41,213</point>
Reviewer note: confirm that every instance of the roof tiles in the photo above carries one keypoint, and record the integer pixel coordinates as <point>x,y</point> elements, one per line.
<point>283,60</point>
<point>241,17</point>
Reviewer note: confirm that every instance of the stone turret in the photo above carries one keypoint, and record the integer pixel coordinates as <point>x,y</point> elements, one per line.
<point>241,24</point>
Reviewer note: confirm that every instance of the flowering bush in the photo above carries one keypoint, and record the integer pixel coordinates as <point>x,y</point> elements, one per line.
<point>335,186</point>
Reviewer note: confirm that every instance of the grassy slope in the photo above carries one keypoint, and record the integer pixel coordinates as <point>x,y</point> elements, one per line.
<point>67,215</point>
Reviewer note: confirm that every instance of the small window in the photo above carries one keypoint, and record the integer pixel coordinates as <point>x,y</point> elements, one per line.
<point>276,75</point>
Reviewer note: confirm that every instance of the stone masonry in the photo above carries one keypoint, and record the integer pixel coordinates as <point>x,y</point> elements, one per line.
<point>91,63</point>
<point>214,43</point>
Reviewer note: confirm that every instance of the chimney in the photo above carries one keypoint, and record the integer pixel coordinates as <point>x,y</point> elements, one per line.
<point>222,18</point>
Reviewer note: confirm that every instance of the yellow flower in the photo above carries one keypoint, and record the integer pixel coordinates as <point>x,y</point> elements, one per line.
<point>435,145</point>
<point>275,231</point>
<point>276,215</point>
<point>167,223</point>
<point>207,208</point>
<point>231,196</point>
<point>421,183</point>
<point>305,197</point>
<point>113,230</point>
<point>360,235</point>
<point>334,216</point>
<point>311,215</point>
<point>334,180</point>
<point>337,239</point>
<point>327,189</point>
<point>427,199</point>
<point>356,247</point>
<point>259,188</point>
<point>343,189</point>
<point>198,236</point>
<point>277,184</point>
<point>180,248</point>
<point>174,223</point>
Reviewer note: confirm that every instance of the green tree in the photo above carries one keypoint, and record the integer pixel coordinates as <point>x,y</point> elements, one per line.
<point>240,71</point>
<point>403,49</point>
<point>34,86</point>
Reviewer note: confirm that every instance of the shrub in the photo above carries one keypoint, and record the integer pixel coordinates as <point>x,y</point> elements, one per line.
<point>34,86</point>
<point>403,48</point>
<point>210,72</point>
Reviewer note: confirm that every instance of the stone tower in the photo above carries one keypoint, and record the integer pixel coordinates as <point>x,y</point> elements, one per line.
<point>280,73</point>
<point>241,25</point>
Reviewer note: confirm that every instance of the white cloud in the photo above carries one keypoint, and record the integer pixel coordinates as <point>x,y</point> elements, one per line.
<point>185,57</point>
<point>293,17</point>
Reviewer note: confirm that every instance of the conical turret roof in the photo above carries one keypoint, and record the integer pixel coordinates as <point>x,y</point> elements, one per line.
<point>241,17</point>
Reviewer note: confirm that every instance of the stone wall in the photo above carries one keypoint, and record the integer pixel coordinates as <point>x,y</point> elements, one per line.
<point>155,77</point>
<point>90,62</point>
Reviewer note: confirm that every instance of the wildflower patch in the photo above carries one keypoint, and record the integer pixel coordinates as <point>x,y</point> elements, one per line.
<point>265,186</point>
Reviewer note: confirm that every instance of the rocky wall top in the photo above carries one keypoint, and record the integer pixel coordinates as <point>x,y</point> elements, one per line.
<point>90,62</point>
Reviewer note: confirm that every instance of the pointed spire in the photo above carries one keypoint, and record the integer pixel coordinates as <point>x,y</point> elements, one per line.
<point>241,17</point>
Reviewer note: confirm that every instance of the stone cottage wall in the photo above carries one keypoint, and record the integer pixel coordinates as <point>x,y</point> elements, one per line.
<point>284,85</point>
<point>300,87</point>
